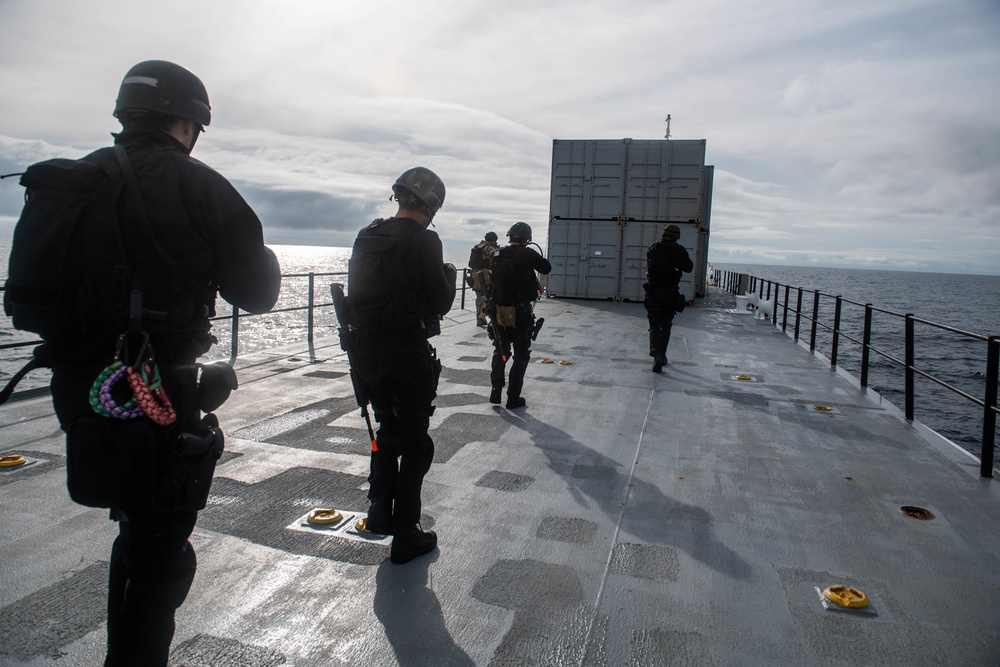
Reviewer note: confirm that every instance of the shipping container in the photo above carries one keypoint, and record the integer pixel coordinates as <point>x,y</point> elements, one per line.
<point>628,179</point>
<point>610,201</point>
<point>599,259</point>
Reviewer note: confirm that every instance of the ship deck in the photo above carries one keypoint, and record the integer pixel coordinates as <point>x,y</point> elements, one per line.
<point>622,518</point>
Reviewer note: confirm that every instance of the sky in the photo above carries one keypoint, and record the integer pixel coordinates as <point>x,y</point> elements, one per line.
<point>856,134</point>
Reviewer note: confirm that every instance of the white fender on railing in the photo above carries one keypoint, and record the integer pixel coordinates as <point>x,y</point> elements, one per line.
<point>765,309</point>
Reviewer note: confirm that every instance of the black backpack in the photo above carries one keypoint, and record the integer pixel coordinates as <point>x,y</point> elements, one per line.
<point>66,201</point>
<point>478,259</point>
<point>70,271</point>
<point>377,285</point>
<point>512,280</point>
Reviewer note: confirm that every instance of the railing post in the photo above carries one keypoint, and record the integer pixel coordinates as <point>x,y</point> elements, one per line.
<point>836,332</point>
<point>309,330</point>
<point>798,314</point>
<point>989,407</point>
<point>908,399</point>
<point>774,310</point>
<point>464,274</point>
<point>866,342</point>
<point>784,316</point>
<point>234,343</point>
<point>815,317</point>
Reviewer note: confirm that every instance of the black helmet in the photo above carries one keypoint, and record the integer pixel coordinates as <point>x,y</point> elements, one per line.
<point>672,232</point>
<point>424,185</point>
<point>166,88</point>
<point>491,237</point>
<point>520,230</point>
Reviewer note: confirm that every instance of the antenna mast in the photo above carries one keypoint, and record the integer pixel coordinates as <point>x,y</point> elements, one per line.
<point>668,127</point>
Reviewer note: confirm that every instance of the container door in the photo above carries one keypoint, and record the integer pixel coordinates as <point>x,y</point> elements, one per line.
<point>565,252</point>
<point>603,259</point>
<point>664,180</point>
<point>587,179</point>
<point>636,239</point>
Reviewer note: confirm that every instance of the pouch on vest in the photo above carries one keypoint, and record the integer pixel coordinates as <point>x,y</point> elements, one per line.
<point>506,316</point>
<point>135,466</point>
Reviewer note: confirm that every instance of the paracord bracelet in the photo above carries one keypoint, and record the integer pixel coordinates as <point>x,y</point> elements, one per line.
<point>108,402</point>
<point>154,403</point>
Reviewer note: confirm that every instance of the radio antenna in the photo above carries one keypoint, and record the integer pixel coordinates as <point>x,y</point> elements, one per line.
<point>668,127</point>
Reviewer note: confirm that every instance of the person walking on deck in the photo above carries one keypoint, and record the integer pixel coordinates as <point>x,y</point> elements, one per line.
<point>398,288</point>
<point>514,290</point>
<point>158,248</point>
<point>666,261</point>
<point>479,279</point>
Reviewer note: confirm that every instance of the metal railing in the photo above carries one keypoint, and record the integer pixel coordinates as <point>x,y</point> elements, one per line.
<point>311,308</point>
<point>735,282</point>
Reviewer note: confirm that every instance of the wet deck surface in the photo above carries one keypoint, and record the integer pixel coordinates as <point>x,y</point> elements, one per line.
<point>622,518</point>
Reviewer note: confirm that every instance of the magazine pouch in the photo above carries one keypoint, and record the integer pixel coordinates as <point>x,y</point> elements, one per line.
<point>134,465</point>
<point>506,316</point>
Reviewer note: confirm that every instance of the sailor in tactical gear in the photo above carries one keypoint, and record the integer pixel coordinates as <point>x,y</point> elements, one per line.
<point>513,292</point>
<point>479,279</point>
<point>193,235</point>
<point>398,290</point>
<point>666,260</point>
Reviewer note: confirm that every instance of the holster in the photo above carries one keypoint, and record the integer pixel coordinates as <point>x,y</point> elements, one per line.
<point>137,466</point>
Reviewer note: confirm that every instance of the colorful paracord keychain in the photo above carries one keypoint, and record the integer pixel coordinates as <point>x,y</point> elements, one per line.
<point>148,395</point>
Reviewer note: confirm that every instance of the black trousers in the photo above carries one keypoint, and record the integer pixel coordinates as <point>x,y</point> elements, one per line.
<point>399,374</point>
<point>661,306</point>
<point>151,571</point>
<point>152,562</point>
<point>518,341</point>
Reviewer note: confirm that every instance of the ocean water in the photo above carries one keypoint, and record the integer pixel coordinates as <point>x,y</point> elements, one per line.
<point>255,333</point>
<point>966,302</point>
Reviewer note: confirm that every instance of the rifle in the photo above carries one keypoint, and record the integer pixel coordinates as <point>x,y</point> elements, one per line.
<point>341,307</point>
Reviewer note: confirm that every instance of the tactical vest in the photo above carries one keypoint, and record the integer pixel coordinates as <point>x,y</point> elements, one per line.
<point>380,287</point>
<point>513,279</point>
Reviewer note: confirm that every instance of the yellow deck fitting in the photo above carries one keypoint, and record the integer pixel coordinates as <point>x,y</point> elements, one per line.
<point>822,407</point>
<point>567,311</point>
<point>12,460</point>
<point>565,362</point>
<point>545,361</point>
<point>845,596</point>
<point>744,376</point>
<point>362,525</point>
<point>323,516</point>
<point>916,512</point>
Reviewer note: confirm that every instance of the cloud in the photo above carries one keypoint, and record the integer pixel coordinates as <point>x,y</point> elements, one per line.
<point>852,134</point>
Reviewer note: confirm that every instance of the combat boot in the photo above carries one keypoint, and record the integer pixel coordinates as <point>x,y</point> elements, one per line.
<point>658,362</point>
<point>411,543</point>
<point>495,395</point>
